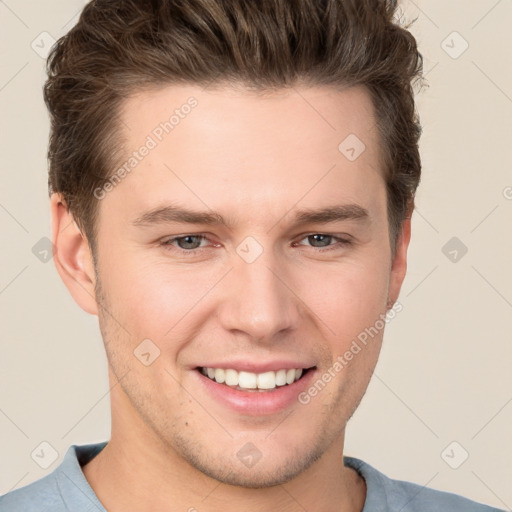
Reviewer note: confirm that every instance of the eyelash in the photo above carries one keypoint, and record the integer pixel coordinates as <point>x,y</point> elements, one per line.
<point>168,244</point>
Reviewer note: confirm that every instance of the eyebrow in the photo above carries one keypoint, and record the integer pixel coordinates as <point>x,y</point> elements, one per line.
<point>168,214</point>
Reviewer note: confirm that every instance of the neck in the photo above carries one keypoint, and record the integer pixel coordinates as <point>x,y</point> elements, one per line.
<point>136,470</point>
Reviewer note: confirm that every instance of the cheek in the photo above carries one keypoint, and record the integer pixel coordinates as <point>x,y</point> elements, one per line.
<point>348,297</point>
<point>154,298</point>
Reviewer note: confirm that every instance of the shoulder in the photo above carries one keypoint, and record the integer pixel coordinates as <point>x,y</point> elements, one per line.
<point>40,495</point>
<point>61,489</point>
<point>385,494</point>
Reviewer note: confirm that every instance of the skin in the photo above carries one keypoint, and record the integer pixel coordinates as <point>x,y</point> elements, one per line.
<point>255,159</point>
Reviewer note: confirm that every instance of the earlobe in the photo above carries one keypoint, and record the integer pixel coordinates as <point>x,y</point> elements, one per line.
<point>399,263</point>
<point>73,258</point>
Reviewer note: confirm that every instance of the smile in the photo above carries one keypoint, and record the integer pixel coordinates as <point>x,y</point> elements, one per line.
<point>248,381</point>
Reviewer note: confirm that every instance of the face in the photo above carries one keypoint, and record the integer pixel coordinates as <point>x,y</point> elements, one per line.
<point>248,236</point>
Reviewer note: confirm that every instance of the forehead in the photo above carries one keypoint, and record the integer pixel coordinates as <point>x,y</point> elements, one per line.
<point>249,150</point>
<point>319,115</point>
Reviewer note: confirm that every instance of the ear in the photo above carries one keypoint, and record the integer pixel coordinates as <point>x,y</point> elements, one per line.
<point>399,263</point>
<point>73,257</point>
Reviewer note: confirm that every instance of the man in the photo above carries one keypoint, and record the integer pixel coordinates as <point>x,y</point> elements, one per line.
<point>231,189</point>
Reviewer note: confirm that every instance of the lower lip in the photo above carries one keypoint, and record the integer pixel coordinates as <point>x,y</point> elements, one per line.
<point>257,403</point>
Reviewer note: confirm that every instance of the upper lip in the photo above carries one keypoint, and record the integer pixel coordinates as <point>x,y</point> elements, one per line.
<point>256,367</point>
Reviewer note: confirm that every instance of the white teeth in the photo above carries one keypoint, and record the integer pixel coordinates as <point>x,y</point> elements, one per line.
<point>249,380</point>
<point>267,380</point>
<point>280,377</point>
<point>219,375</point>
<point>231,377</point>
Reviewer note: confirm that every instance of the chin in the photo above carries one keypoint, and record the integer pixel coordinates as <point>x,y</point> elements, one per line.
<point>249,467</point>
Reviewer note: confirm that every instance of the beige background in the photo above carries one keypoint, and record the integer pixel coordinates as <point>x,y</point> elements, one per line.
<point>444,374</point>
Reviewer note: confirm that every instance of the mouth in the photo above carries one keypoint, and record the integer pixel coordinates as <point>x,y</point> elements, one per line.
<point>255,382</point>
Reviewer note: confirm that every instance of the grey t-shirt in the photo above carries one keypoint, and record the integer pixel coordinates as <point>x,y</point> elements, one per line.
<point>66,489</point>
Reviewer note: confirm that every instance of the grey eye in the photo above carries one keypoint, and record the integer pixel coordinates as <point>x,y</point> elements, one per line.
<point>322,240</point>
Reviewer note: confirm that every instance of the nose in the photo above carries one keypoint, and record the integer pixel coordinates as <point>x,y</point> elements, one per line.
<point>259,300</point>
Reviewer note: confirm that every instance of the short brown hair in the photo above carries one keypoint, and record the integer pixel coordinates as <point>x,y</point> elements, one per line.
<point>120,47</point>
